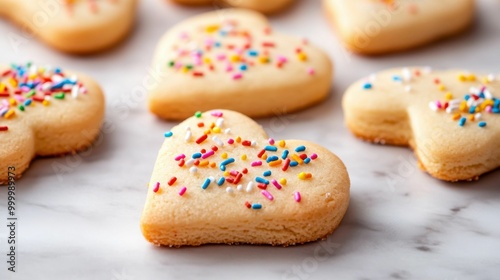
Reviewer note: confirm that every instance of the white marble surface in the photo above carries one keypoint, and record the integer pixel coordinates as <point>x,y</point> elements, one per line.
<point>401,224</point>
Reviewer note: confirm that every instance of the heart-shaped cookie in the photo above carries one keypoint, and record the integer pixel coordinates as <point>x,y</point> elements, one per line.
<point>384,26</point>
<point>219,179</point>
<point>262,6</point>
<point>450,118</point>
<point>231,59</point>
<point>45,111</point>
<point>73,26</point>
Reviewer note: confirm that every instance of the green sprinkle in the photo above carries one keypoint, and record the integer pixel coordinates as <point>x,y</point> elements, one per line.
<point>31,93</point>
<point>59,95</point>
<point>198,114</point>
<point>21,107</point>
<point>171,63</point>
<point>189,66</point>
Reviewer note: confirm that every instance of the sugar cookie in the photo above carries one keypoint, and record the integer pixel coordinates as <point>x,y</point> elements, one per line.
<point>45,111</point>
<point>262,6</point>
<point>220,179</point>
<point>235,61</point>
<point>384,26</point>
<point>73,26</point>
<point>450,118</point>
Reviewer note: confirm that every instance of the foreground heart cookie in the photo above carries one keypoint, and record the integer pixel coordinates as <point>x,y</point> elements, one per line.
<point>262,6</point>
<point>450,118</point>
<point>384,26</point>
<point>218,179</point>
<point>232,60</point>
<point>73,26</point>
<point>45,111</point>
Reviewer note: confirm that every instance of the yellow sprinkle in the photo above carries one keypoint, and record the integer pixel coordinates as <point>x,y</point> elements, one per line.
<point>457,116</point>
<point>207,60</point>
<point>234,58</point>
<point>46,103</point>
<point>13,82</point>
<point>462,78</point>
<point>224,156</point>
<point>488,102</point>
<point>12,102</point>
<point>441,87</point>
<point>244,157</point>
<point>485,80</point>
<point>10,114</point>
<point>471,118</point>
<point>216,129</point>
<point>226,173</point>
<point>2,87</point>
<point>264,156</point>
<point>471,78</point>
<point>283,181</point>
<point>449,96</point>
<point>207,132</point>
<point>264,59</point>
<point>463,106</point>
<point>282,143</point>
<point>275,163</point>
<point>185,69</point>
<point>32,76</point>
<point>302,176</point>
<point>212,28</point>
<point>238,139</point>
<point>204,163</point>
<point>302,56</point>
<point>297,158</point>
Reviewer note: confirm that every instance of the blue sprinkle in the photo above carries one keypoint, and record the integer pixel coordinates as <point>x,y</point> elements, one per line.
<point>482,124</point>
<point>223,33</point>
<point>27,102</point>
<point>243,67</point>
<point>367,86</point>
<point>169,134</point>
<point>57,70</point>
<point>467,97</point>
<point>481,95</point>
<point>217,44</point>
<point>197,155</point>
<point>206,184</point>
<point>256,206</point>
<point>262,180</point>
<point>307,160</point>
<point>462,121</point>
<point>253,53</point>
<point>271,148</point>
<point>226,162</point>
<point>300,149</point>
<point>496,111</point>
<point>284,155</point>
<point>472,109</point>
<point>221,181</point>
<point>267,174</point>
<point>293,163</point>
<point>272,158</point>
<point>397,78</point>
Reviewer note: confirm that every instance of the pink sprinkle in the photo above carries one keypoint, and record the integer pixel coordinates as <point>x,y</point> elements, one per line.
<point>83,90</point>
<point>438,104</point>
<point>237,76</point>
<point>157,187</point>
<point>276,184</point>
<point>489,109</point>
<point>311,71</point>
<point>221,57</point>
<point>234,173</point>
<point>179,157</point>
<point>230,141</point>
<point>229,68</point>
<point>314,156</point>
<point>209,154</point>
<point>271,141</point>
<point>267,194</point>
<point>256,163</point>
<point>217,114</point>
<point>282,59</point>
<point>182,191</point>
<point>297,196</point>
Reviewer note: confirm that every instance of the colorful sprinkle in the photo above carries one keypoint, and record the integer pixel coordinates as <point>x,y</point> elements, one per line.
<point>157,187</point>
<point>267,194</point>
<point>168,134</point>
<point>297,196</point>
<point>182,191</point>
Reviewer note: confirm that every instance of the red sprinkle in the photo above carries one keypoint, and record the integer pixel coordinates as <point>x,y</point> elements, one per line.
<point>198,74</point>
<point>262,186</point>
<point>287,164</point>
<point>261,153</point>
<point>181,164</point>
<point>172,181</point>
<point>303,156</point>
<point>214,148</point>
<point>246,143</point>
<point>201,139</point>
<point>157,187</point>
<point>4,128</point>
<point>245,171</point>
<point>268,44</point>
<point>4,94</point>
<point>248,205</point>
<point>201,124</point>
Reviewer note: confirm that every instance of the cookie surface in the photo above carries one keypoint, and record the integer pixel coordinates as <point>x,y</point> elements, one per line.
<point>235,185</point>
<point>384,26</point>
<point>262,6</point>
<point>73,26</point>
<point>450,118</point>
<point>233,60</point>
<point>45,111</point>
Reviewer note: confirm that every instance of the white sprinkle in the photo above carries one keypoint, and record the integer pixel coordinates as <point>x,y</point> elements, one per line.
<point>47,97</point>
<point>239,188</point>
<point>193,169</point>
<point>229,190</point>
<point>250,186</point>
<point>211,178</point>
<point>190,162</point>
<point>219,122</point>
<point>433,106</point>
<point>46,86</point>
<point>407,76</point>
<point>491,77</point>
<point>474,90</point>
<point>427,70</point>
<point>188,136</point>
<point>487,94</point>
<point>372,77</point>
<point>56,79</point>
<point>227,131</point>
<point>451,109</point>
<point>478,116</point>
<point>188,128</point>
<point>218,141</point>
<point>408,88</point>
<point>254,143</point>
<point>74,92</point>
